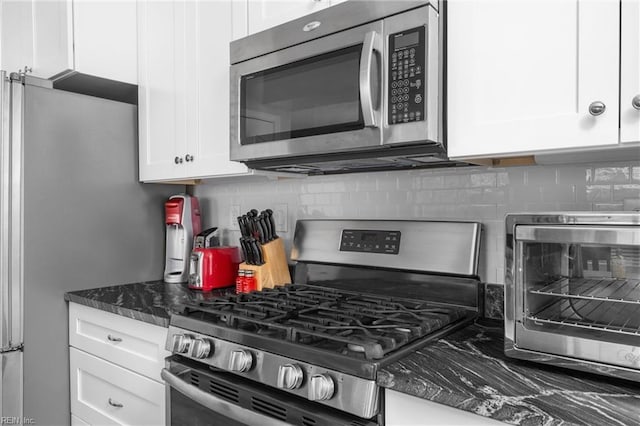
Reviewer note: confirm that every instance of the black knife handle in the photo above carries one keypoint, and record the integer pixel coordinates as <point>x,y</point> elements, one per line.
<point>256,248</point>
<point>273,223</point>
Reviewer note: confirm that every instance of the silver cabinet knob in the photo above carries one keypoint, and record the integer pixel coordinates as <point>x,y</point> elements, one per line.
<point>636,102</point>
<point>114,339</point>
<point>597,108</point>
<point>188,158</point>
<point>321,387</point>
<point>240,360</point>
<point>290,376</point>
<point>178,160</point>
<point>115,404</point>
<point>200,348</point>
<point>181,343</point>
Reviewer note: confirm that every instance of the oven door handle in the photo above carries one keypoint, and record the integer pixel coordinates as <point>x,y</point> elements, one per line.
<point>369,47</point>
<point>216,404</point>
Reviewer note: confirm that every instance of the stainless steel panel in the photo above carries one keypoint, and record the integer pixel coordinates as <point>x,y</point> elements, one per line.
<point>368,137</point>
<point>428,129</point>
<point>624,355</point>
<point>428,246</point>
<point>333,19</point>
<point>5,228</point>
<point>265,370</point>
<point>11,386</point>
<point>88,222</point>
<point>173,379</point>
<point>579,234</point>
<point>513,351</point>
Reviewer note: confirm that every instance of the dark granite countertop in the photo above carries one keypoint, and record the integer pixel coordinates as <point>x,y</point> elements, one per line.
<point>150,302</point>
<point>469,371</point>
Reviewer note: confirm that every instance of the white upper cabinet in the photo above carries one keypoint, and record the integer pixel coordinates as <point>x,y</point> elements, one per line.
<point>95,37</point>
<point>104,39</point>
<point>528,76</point>
<point>183,90</point>
<point>630,72</point>
<point>263,14</point>
<point>252,16</point>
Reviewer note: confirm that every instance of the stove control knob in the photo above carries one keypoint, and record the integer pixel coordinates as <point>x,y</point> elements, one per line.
<point>200,348</point>
<point>321,387</point>
<point>181,343</point>
<point>289,376</point>
<point>240,360</point>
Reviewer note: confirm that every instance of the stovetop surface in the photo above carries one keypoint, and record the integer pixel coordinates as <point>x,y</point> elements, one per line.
<point>324,321</point>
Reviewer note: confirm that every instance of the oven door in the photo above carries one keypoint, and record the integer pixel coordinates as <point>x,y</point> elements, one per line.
<point>198,395</point>
<point>319,97</point>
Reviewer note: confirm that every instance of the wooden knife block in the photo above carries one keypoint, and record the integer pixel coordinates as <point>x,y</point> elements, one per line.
<point>275,270</point>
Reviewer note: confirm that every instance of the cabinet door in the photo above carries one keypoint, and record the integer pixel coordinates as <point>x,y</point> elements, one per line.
<point>523,74</point>
<point>406,410</point>
<point>16,35</point>
<point>630,72</point>
<point>158,98</point>
<point>103,393</point>
<point>133,344</point>
<point>263,14</point>
<point>105,40</point>
<point>36,35</point>
<point>208,90</point>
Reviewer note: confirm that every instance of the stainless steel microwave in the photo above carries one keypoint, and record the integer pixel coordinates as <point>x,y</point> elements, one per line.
<point>572,290</point>
<point>357,86</point>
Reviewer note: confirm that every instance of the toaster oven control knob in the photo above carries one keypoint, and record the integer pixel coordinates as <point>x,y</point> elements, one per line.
<point>289,376</point>
<point>200,348</point>
<point>240,360</point>
<point>181,343</point>
<point>321,387</point>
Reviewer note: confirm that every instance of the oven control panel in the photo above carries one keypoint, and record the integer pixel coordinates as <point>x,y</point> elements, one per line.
<point>370,241</point>
<point>405,97</point>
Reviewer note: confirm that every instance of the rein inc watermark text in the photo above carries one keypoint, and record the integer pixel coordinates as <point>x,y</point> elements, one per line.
<point>14,420</point>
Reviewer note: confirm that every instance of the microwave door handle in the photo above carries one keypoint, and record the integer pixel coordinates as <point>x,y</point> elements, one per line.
<point>366,95</point>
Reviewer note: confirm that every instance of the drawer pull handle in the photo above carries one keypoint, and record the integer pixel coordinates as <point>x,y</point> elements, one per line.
<point>114,339</point>
<point>115,404</point>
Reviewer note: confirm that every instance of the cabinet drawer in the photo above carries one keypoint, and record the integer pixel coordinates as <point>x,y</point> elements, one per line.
<point>77,421</point>
<point>130,343</point>
<point>103,393</point>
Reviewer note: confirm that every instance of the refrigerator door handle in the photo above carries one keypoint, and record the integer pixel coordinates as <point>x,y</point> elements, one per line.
<point>5,206</point>
<point>16,274</point>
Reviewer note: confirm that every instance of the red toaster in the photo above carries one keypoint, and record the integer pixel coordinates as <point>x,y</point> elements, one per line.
<point>213,267</point>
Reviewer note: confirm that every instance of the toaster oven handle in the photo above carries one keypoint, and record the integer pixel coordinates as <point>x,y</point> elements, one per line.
<point>366,94</point>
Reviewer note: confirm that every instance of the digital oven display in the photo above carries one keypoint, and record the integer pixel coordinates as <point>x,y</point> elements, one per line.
<point>367,241</point>
<point>406,40</point>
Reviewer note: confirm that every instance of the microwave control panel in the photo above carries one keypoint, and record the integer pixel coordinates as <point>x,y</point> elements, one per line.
<point>405,101</point>
<point>370,241</point>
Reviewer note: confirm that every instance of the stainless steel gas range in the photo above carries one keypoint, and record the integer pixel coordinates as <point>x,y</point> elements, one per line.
<point>366,293</point>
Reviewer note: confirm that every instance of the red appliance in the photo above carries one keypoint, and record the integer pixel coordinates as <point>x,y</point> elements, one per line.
<point>213,267</point>
<point>182,222</point>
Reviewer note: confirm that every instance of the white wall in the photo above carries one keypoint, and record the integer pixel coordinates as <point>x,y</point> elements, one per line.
<point>471,193</point>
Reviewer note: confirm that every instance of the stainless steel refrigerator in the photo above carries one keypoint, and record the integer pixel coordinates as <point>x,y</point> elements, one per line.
<point>72,216</point>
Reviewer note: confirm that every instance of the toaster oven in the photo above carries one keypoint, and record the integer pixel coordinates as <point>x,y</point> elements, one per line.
<point>572,291</point>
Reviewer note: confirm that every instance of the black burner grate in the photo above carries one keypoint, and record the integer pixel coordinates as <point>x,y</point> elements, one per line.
<point>356,325</point>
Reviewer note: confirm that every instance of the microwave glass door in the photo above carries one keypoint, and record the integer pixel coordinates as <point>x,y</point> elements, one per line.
<point>582,282</point>
<point>315,96</point>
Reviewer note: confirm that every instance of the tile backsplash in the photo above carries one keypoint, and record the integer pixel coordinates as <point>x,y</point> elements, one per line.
<point>470,193</point>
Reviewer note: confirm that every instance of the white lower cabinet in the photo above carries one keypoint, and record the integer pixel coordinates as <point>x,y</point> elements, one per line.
<point>115,365</point>
<point>406,410</point>
<point>103,393</point>
<point>76,421</point>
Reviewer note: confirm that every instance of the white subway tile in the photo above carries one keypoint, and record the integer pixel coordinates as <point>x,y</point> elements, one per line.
<point>611,174</point>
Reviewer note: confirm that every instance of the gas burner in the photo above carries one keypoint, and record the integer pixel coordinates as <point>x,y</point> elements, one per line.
<point>330,320</point>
